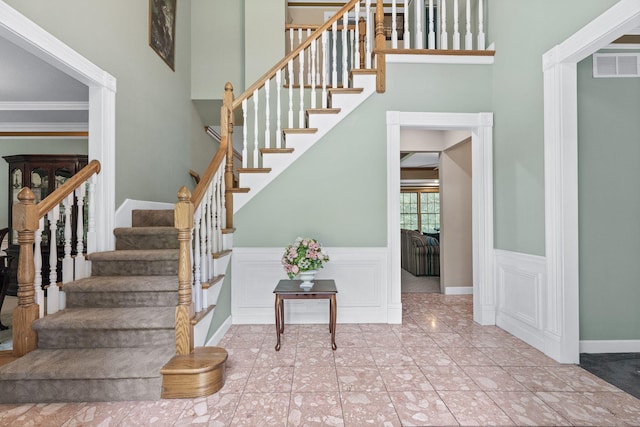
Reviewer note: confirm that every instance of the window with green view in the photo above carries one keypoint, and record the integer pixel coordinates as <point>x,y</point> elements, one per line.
<point>420,210</point>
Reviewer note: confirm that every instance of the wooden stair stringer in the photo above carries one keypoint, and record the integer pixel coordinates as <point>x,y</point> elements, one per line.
<point>347,101</point>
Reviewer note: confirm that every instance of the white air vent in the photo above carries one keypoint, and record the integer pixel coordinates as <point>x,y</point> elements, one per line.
<point>616,65</point>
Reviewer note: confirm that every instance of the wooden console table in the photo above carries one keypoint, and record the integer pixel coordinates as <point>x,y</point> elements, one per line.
<point>290,289</point>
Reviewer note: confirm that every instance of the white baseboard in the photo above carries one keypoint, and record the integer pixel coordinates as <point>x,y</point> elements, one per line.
<point>610,346</point>
<point>217,337</point>
<point>458,290</point>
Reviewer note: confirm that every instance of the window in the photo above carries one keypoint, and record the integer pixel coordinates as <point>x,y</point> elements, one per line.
<point>420,210</point>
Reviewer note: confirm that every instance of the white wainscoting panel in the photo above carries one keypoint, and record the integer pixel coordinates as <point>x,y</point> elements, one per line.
<point>360,275</point>
<point>520,295</point>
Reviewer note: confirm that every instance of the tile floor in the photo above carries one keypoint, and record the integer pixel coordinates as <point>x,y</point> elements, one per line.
<point>437,368</point>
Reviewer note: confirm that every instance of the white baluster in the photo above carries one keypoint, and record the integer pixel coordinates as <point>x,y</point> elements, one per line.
<point>418,33</point>
<point>67,261</point>
<point>290,40</point>
<point>312,67</point>
<point>80,260</point>
<point>290,116</point>
<point>222,211</point>
<point>444,36</point>
<point>468,40</point>
<point>278,110</point>
<point>301,61</point>
<point>432,33</point>
<point>267,113</point>
<point>37,262</point>
<point>456,32</point>
<point>309,55</point>
<point>352,45</point>
<point>53,302</point>
<point>255,128</point>
<point>369,35</point>
<point>334,55</point>
<point>301,77</point>
<point>91,222</point>
<point>245,153</point>
<point>197,286</point>
<point>212,243</point>
<point>325,76</point>
<point>204,225</point>
<point>345,50</point>
<point>406,36</point>
<point>394,26</point>
<point>356,55</point>
<point>481,45</point>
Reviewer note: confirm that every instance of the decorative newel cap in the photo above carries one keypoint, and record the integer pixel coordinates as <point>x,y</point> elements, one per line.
<point>228,87</point>
<point>26,196</point>
<point>184,195</point>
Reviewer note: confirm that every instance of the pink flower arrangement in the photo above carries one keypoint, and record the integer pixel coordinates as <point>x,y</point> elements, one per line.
<point>303,255</point>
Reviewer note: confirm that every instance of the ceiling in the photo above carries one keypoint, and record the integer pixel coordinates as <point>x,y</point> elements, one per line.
<point>37,96</point>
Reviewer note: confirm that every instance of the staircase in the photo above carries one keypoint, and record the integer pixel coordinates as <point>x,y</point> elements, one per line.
<point>118,329</point>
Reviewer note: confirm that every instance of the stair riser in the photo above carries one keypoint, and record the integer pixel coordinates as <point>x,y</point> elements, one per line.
<point>80,390</point>
<point>133,242</point>
<point>95,338</point>
<point>122,299</point>
<point>134,268</point>
<point>152,218</point>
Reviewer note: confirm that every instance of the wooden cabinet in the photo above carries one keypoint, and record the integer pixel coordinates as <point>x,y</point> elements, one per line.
<point>42,173</point>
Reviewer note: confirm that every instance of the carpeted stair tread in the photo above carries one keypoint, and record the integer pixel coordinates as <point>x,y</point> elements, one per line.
<point>119,284</point>
<point>146,238</point>
<point>136,254</point>
<point>88,363</point>
<point>108,318</point>
<point>152,218</point>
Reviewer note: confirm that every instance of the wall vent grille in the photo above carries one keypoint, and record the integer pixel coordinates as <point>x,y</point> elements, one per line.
<point>616,65</point>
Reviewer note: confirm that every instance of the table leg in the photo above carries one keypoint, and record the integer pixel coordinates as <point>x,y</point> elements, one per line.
<point>278,321</point>
<point>332,321</point>
<point>281,316</point>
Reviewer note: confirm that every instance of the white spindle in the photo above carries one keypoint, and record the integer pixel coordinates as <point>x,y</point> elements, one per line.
<point>211,228</point>
<point>369,35</point>
<point>290,115</point>
<point>197,287</point>
<point>356,54</point>
<point>432,32</point>
<point>456,32</point>
<point>80,260</point>
<point>394,26</point>
<point>345,50</point>
<point>468,40</point>
<point>67,261</point>
<point>325,76</point>
<point>406,37</point>
<point>267,113</point>
<point>444,44</point>
<point>352,45</point>
<point>309,53</point>
<point>312,67</point>
<point>53,301</point>
<point>37,262</point>
<point>215,217</point>
<point>91,224</point>
<point>204,225</point>
<point>221,218</point>
<point>301,60</point>
<point>245,151</point>
<point>418,33</point>
<point>481,45</point>
<point>255,128</point>
<point>278,110</point>
<point>334,55</point>
<point>291,39</point>
<point>301,91</point>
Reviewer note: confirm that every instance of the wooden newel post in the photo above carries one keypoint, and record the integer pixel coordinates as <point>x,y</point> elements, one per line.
<point>362,31</point>
<point>381,43</point>
<point>25,222</point>
<point>226,130</point>
<point>183,221</point>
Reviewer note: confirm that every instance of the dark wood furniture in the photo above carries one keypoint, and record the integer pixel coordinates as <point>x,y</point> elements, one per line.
<point>42,173</point>
<point>290,289</point>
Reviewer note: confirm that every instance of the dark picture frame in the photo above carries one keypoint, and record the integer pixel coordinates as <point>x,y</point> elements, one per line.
<point>399,25</point>
<point>162,29</point>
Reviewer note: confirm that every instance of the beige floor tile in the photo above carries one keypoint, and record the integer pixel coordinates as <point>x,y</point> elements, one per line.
<point>315,409</point>
<point>421,408</point>
<point>314,379</point>
<point>262,409</point>
<point>359,379</point>
<point>270,380</point>
<point>404,378</point>
<point>474,408</point>
<point>579,409</point>
<point>526,409</point>
<point>368,408</point>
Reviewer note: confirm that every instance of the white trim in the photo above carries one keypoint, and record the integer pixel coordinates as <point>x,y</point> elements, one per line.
<point>400,58</point>
<point>561,173</point>
<point>610,346</point>
<point>481,126</point>
<point>623,46</point>
<point>217,337</point>
<point>102,118</point>
<point>44,106</point>
<point>43,127</point>
<point>123,213</point>
<point>201,329</point>
<point>458,290</point>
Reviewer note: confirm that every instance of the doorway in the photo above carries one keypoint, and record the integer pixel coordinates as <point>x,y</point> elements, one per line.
<point>480,126</point>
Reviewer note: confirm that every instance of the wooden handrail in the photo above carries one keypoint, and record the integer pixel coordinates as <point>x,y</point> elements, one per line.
<point>214,165</point>
<point>288,27</point>
<point>294,53</point>
<point>55,198</point>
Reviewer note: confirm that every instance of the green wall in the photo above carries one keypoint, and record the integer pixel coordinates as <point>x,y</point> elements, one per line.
<point>337,190</point>
<point>609,205</point>
<point>9,147</point>
<point>158,131</point>
<point>523,31</point>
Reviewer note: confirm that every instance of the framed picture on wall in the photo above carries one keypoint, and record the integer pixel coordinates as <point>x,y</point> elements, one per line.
<point>162,29</point>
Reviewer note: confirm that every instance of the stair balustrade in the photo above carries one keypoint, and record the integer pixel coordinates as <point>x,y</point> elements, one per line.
<point>32,222</point>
